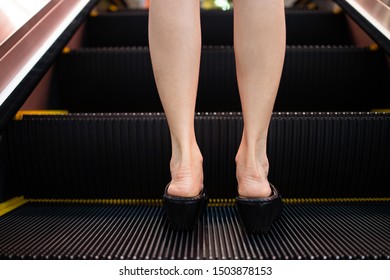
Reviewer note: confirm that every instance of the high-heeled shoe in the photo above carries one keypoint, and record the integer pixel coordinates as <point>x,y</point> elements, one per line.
<point>184,212</point>
<point>258,214</point>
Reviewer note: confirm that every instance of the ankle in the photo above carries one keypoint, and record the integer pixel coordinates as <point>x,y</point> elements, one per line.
<point>185,159</point>
<point>252,172</point>
<point>186,173</point>
<point>253,156</point>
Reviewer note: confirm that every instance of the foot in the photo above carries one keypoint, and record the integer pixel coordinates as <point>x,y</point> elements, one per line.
<point>252,173</point>
<point>186,173</point>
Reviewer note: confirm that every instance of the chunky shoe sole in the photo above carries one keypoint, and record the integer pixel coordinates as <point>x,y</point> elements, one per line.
<point>184,212</point>
<point>258,214</point>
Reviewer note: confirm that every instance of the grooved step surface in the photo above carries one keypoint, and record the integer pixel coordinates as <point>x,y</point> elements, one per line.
<point>314,78</point>
<point>130,28</point>
<point>127,155</point>
<point>304,231</point>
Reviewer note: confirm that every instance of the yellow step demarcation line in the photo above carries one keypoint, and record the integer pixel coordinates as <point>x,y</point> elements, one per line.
<point>211,201</point>
<point>20,114</point>
<point>13,203</point>
<point>383,110</point>
<point>113,201</point>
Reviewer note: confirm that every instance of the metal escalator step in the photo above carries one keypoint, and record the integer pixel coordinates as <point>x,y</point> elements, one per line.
<point>93,231</point>
<point>303,27</point>
<point>127,155</point>
<point>315,78</point>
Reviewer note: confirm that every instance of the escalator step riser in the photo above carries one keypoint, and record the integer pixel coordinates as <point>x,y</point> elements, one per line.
<point>307,231</point>
<point>303,27</point>
<point>313,79</point>
<point>127,155</point>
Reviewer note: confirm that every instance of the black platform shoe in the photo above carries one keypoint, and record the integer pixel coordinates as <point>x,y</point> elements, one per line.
<point>184,212</point>
<point>257,214</point>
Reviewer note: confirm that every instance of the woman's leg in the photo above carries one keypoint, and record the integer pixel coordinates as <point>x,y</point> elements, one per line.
<point>259,44</point>
<point>175,47</point>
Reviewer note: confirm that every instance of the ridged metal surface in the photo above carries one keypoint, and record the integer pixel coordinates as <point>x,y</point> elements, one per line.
<point>127,155</point>
<point>130,28</point>
<point>315,78</point>
<point>304,231</point>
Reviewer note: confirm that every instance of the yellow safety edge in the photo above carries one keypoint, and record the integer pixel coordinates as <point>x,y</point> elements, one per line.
<point>384,110</point>
<point>211,201</point>
<point>19,115</point>
<point>13,203</point>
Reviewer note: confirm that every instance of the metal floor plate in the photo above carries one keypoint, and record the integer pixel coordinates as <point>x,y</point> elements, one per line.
<point>97,231</point>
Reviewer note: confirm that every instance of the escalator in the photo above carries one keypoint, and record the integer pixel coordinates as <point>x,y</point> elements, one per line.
<point>88,184</point>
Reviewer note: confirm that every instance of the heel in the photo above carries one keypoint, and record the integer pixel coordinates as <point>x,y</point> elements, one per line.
<point>182,212</point>
<point>258,214</point>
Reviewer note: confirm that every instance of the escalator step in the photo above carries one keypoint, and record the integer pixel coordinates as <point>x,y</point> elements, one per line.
<point>304,231</point>
<point>303,27</point>
<point>315,78</point>
<point>311,155</point>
